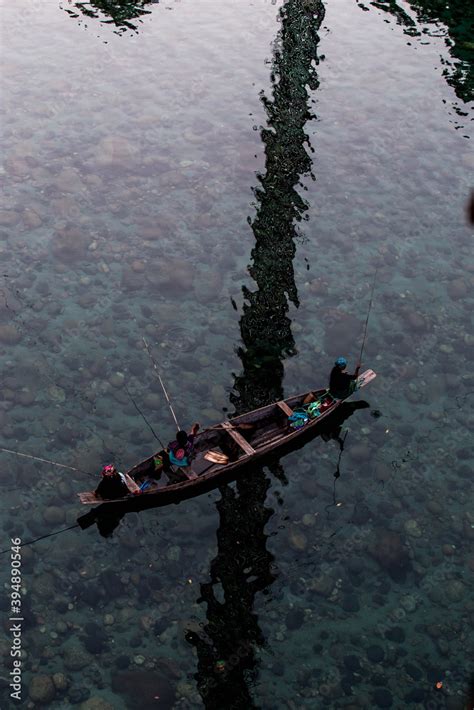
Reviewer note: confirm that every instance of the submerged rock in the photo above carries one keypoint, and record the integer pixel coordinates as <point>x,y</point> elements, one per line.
<point>412,528</point>
<point>115,151</point>
<point>457,289</point>
<point>172,276</point>
<point>8,218</point>
<point>360,452</point>
<point>78,694</point>
<point>153,401</point>
<point>69,180</point>
<point>361,514</point>
<point>455,590</point>
<point>95,640</point>
<point>323,585</point>
<point>298,540</point>
<point>294,619</point>
<point>388,550</point>
<point>415,321</point>
<point>70,244</point>
<point>9,335</point>
<point>42,689</point>
<point>408,602</point>
<point>31,218</point>
<point>375,654</point>
<point>350,603</point>
<point>434,507</point>
<point>382,472</point>
<point>75,659</point>
<point>117,379</point>
<point>53,515</point>
<point>395,634</point>
<point>25,397</point>
<point>319,287</point>
<point>351,663</point>
<point>208,286</point>
<point>60,681</point>
<point>130,280</point>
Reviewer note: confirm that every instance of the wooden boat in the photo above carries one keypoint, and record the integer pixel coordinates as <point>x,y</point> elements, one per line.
<point>219,452</point>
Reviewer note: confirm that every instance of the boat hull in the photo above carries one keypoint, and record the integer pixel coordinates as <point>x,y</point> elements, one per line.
<point>259,446</point>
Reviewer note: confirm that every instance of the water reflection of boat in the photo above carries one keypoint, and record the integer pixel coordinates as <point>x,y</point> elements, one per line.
<point>237,442</point>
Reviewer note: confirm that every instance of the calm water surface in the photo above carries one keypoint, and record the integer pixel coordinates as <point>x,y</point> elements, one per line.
<point>225,179</point>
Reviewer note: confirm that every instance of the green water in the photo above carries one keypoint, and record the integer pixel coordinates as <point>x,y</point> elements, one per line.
<point>225,179</point>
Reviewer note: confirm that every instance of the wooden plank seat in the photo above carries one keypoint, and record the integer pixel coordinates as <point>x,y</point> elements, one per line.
<point>283,406</point>
<point>238,438</point>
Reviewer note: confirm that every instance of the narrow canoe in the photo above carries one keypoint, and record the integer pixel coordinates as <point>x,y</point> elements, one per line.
<point>237,441</point>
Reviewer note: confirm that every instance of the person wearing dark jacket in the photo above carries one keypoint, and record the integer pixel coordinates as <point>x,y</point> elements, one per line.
<point>112,484</point>
<point>341,383</point>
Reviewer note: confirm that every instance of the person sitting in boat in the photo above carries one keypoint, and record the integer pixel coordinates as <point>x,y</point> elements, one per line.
<point>341,383</point>
<point>112,484</point>
<point>181,450</point>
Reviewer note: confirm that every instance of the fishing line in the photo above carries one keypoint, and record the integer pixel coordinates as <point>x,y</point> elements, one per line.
<point>337,472</point>
<point>144,418</point>
<point>54,463</point>
<point>43,537</point>
<point>368,315</point>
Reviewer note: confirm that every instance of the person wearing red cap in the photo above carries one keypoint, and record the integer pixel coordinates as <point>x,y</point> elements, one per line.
<point>112,484</point>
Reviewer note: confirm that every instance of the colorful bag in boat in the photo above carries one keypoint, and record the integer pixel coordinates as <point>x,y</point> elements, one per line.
<point>314,409</point>
<point>298,419</point>
<point>327,402</point>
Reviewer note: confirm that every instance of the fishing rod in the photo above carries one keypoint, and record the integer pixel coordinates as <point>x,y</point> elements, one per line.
<point>161,383</point>
<point>53,463</point>
<point>368,315</point>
